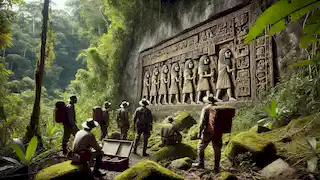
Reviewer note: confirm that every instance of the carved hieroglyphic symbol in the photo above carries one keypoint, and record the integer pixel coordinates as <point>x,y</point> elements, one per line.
<point>243,83</point>
<point>243,62</point>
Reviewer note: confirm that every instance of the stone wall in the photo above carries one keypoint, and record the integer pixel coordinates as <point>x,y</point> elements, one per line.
<point>203,12</point>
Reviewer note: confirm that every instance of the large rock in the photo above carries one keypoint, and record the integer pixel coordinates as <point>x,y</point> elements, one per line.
<point>173,152</point>
<point>147,170</point>
<point>262,149</point>
<point>183,163</point>
<point>279,169</point>
<point>64,170</point>
<point>184,121</point>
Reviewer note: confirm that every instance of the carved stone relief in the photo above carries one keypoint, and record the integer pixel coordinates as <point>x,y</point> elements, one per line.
<point>211,58</point>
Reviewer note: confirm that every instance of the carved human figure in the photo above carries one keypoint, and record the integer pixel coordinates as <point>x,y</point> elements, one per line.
<point>188,85</point>
<point>175,83</point>
<point>154,86</point>
<point>204,77</point>
<point>164,83</point>
<point>224,71</point>
<point>146,85</point>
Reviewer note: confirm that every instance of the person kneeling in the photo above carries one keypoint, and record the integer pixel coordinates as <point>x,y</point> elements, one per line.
<point>170,134</point>
<point>83,142</point>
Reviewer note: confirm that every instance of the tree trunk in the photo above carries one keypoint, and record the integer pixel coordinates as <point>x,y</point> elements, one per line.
<point>33,127</point>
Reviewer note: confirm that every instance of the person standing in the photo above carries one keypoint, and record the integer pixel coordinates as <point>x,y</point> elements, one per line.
<point>105,123</point>
<point>123,119</point>
<point>209,134</point>
<point>83,142</point>
<point>69,126</point>
<point>170,133</point>
<point>142,119</point>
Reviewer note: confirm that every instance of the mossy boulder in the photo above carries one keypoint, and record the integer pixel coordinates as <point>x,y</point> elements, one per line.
<point>64,170</point>
<point>182,163</point>
<point>226,176</point>
<point>156,147</point>
<point>262,149</point>
<point>173,152</point>
<point>147,170</point>
<point>193,132</point>
<point>184,121</point>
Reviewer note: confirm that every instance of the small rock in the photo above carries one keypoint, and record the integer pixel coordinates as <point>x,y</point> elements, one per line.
<point>225,176</point>
<point>183,163</point>
<point>278,169</point>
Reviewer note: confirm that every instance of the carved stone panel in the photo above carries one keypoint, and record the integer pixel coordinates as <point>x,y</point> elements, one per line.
<point>245,69</point>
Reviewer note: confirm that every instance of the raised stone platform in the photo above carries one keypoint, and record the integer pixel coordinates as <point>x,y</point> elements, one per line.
<point>160,112</point>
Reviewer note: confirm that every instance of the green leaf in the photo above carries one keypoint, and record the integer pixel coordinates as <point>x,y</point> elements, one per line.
<point>278,12</point>
<point>311,28</point>
<point>314,18</point>
<point>19,153</point>
<point>298,14</point>
<point>312,164</point>
<point>300,63</point>
<point>274,107</point>
<point>307,40</point>
<point>53,130</point>
<point>268,110</point>
<point>279,26</point>
<point>31,148</point>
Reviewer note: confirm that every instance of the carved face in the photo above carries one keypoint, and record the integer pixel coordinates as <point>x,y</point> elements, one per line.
<point>147,74</point>
<point>176,67</point>
<point>228,54</point>
<point>156,72</point>
<point>190,65</point>
<point>165,69</point>
<point>206,61</point>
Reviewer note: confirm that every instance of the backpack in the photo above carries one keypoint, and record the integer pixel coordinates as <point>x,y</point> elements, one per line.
<point>60,112</point>
<point>220,120</point>
<point>97,114</point>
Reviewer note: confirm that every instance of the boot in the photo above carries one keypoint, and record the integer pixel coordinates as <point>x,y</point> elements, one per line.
<point>200,164</point>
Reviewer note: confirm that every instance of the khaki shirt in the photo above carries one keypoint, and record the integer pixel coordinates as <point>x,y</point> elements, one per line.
<point>123,117</point>
<point>169,130</point>
<point>142,118</point>
<point>85,140</point>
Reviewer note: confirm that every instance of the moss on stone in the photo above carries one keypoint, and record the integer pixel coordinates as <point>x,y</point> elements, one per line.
<point>226,176</point>
<point>173,152</point>
<point>192,133</point>
<point>184,120</point>
<point>147,170</point>
<point>182,163</point>
<point>59,171</point>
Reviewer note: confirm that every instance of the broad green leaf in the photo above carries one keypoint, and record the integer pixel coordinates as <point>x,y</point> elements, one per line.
<point>312,164</point>
<point>274,107</point>
<point>19,153</point>
<point>276,13</point>
<point>298,14</point>
<point>300,63</point>
<point>268,110</point>
<point>307,40</point>
<point>311,28</point>
<point>53,130</point>
<point>31,148</point>
<point>279,26</point>
<point>314,18</point>
<point>270,125</point>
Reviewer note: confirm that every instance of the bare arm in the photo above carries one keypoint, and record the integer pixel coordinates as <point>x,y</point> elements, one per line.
<point>94,144</point>
<point>229,70</point>
<point>203,123</point>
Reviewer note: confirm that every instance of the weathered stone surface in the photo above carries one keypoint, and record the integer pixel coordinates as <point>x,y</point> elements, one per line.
<point>183,163</point>
<point>184,120</point>
<point>278,169</point>
<point>147,170</point>
<point>64,170</point>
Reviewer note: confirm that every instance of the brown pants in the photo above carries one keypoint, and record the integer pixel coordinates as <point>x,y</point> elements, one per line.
<point>124,131</point>
<point>83,157</point>
<point>146,135</point>
<point>216,141</point>
<point>67,131</point>
<point>104,131</point>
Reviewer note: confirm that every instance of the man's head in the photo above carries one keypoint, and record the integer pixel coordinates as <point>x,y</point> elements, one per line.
<point>73,99</point>
<point>89,124</point>
<point>170,119</point>
<point>144,102</point>
<point>124,104</point>
<point>209,99</point>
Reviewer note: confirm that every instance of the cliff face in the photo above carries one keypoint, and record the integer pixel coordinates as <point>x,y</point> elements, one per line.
<point>187,16</point>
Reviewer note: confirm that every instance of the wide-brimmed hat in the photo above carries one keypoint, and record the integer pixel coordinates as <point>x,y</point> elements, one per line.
<point>209,99</point>
<point>144,102</point>
<point>90,124</point>
<point>107,104</point>
<point>124,104</point>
